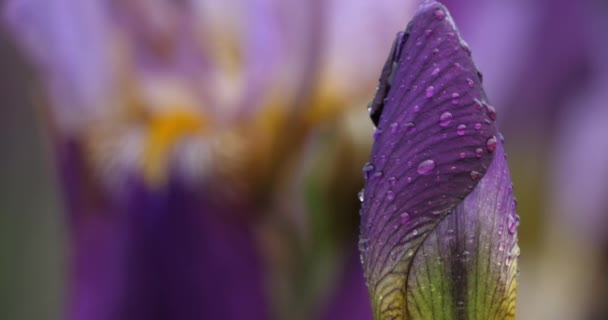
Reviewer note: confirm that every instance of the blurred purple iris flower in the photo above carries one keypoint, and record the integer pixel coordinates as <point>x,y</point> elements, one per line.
<point>148,240</point>
<point>145,244</point>
<point>438,223</point>
<point>163,132</point>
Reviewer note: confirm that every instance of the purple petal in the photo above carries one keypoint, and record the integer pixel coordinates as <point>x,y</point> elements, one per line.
<point>162,254</point>
<point>350,300</point>
<point>580,173</point>
<point>434,142</point>
<point>467,266</point>
<point>68,40</point>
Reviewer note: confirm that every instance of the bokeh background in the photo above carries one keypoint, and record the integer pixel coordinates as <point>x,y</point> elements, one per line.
<point>258,108</point>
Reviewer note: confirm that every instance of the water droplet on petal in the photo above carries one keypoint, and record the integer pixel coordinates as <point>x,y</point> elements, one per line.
<point>415,232</point>
<point>430,91</point>
<point>463,155</point>
<point>368,168</point>
<point>455,98</point>
<point>394,127</point>
<point>435,72</point>
<point>378,174</point>
<point>363,245</point>
<point>513,222</point>
<point>478,126</point>
<point>416,108</point>
<point>381,158</point>
<point>426,166</point>
<point>491,144</point>
<point>392,181</point>
<point>409,253</point>
<point>460,130</point>
<point>410,127</point>
<point>491,112</point>
<point>470,82</point>
<point>466,48</point>
<point>478,104</point>
<point>478,152</point>
<point>390,195</point>
<point>475,175</point>
<point>360,195</point>
<point>377,133</point>
<point>439,14</point>
<point>405,217</point>
<point>445,119</point>
<point>393,256</point>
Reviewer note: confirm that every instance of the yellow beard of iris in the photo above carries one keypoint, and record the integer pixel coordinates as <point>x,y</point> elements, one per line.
<point>164,131</point>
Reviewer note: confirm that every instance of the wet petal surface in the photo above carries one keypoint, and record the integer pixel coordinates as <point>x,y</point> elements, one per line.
<point>466,268</point>
<point>434,142</point>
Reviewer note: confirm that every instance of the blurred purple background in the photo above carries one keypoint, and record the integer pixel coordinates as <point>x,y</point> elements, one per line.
<point>161,153</point>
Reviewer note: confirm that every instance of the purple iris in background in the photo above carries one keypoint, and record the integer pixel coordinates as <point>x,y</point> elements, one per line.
<point>177,126</point>
<point>149,236</point>
<point>438,235</point>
